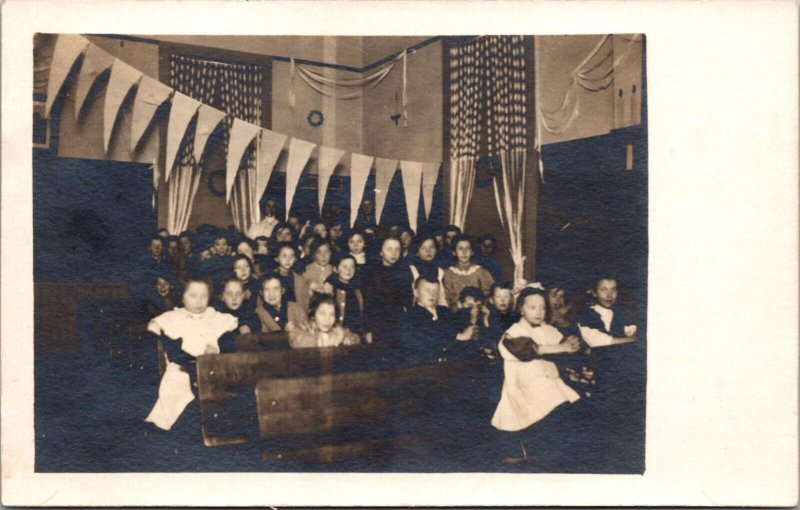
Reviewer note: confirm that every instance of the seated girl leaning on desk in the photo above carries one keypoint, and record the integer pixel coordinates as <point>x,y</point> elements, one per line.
<point>322,327</point>
<point>191,331</point>
<point>604,323</point>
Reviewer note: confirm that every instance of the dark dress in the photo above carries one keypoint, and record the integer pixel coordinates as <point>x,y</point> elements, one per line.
<point>386,292</point>
<point>349,295</point>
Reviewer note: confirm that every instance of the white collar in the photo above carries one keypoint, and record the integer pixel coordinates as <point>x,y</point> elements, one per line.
<point>465,272</point>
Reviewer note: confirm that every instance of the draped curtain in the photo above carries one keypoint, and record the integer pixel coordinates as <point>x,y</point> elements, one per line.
<point>488,115</point>
<point>235,89</point>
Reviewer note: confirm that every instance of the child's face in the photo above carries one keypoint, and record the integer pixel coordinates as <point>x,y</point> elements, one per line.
<point>390,251</point>
<point>172,248</point>
<point>245,249</point>
<point>233,295</point>
<point>533,309</point>
<point>449,235</point>
<point>272,292</point>
<point>471,302</point>
<point>394,231</point>
<point>439,241</point>
<point>293,222</point>
<point>405,240</point>
<point>163,287</point>
<point>487,248</point>
<point>195,297</point>
<point>501,299</point>
<point>322,255</point>
<point>156,247</point>
<point>286,258</point>
<point>321,230</point>
<point>325,317</point>
<point>336,232</point>
<point>606,293</point>
<point>284,235</point>
<point>186,245</point>
<point>356,244</point>
<point>262,247</point>
<point>427,251</point>
<point>426,293</point>
<point>242,270</point>
<point>463,251</point>
<point>221,246</point>
<point>346,270</point>
<point>269,208</point>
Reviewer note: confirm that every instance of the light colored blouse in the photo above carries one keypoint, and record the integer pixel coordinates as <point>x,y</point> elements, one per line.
<point>199,331</point>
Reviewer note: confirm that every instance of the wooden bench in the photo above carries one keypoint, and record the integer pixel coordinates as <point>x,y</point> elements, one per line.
<point>226,384</point>
<point>372,416</point>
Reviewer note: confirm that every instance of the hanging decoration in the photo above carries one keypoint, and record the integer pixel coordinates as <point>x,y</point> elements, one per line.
<point>299,152</point>
<point>181,113</point>
<point>384,172</point>
<point>123,78</point>
<point>67,50</point>
<point>241,136</point>
<point>360,166</point>
<point>327,160</point>
<point>315,118</point>
<point>208,119</point>
<point>430,173</point>
<point>150,96</point>
<point>270,146</point>
<point>412,180</point>
<point>95,63</point>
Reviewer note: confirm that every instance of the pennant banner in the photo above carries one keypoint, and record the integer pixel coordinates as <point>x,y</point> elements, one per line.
<point>384,171</point>
<point>359,173</point>
<point>327,160</point>
<point>242,134</point>
<point>430,174</point>
<point>95,62</point>
<point>299,152</point>
<point>180,114</point>
<point>150,96</point>
<point>123,77</point>
<point>208,118</point>
<point>412,179</point>
<point>67,50</point>
<point>269,149</point>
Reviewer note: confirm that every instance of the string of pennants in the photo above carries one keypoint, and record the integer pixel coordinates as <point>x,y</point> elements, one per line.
<point>418,177</point>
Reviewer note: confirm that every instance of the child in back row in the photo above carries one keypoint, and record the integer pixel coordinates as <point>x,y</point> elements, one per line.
<point>464,273</point>
<point>604,323</point>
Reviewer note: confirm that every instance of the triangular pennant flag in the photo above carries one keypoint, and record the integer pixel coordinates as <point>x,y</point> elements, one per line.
<point>150,96</point>
<point>359,173</point>
<point>384,171</point>
<point>123,77</point>
<point>208,118</point>
<point>242,134</point>
<point>327,160</point>
<point>95,63</point>
<point>68,48</point>
<point>430,173</point>
<point>269,149</point>
<point>412,179</point>
<point>299,152</point>
<point>180,115</point>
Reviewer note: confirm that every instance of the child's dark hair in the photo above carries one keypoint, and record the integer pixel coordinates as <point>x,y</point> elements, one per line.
<point>198,279</point>
<point>471,291</point>
<point>237,258</point>
<point>531,291</point>
<point>186,234</point>
<point>420,241</point>
<point>452,228</point>
<point>505,284</point>
<point>487,237</point>
<point>356,232</point>
<point>224,283</point>
<point>156,238</point>
<point>600,276</point>
<point>461,238</point>
<point>170,239</point>
<point>246,240</point>
<point>167,277</point>
<point>318,243</point>
<point>262,238</point>
<point>319,299</point>
<point>426,279</point>
<point>345,257</point>
<point>268,277</point>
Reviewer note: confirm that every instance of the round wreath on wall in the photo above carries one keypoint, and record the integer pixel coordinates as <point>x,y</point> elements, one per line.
<point>315,118</point>
<point>216,183</point>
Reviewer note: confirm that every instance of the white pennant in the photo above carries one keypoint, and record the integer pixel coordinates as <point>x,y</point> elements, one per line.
<point>359,173</point>
<point>95,63</point>
<point>150,96</point>
<point>299,152</point>
<point>327,160</point>
<point>123,77</point>
<point>242,134</point>
<point>384,171</point>
<point>208,118</point>
<point>412,179</point>
<point>430,173</point>
<point>269,149</point>
<point>68,48</point>
<point>180,115</point>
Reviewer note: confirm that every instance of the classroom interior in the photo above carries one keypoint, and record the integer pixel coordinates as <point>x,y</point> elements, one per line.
<point>101,193</point>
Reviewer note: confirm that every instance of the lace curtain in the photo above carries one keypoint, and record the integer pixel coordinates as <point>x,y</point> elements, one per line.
<point>237,90</point>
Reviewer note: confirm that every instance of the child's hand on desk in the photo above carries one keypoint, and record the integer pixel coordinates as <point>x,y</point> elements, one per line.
<point>244,330</point>
<point>571,344</point>
<point>629,330</point>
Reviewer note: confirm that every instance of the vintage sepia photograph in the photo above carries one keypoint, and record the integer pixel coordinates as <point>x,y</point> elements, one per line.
<point>384,254</point>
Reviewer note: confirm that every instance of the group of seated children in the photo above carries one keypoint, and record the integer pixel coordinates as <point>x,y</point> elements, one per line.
<point>418,302</point>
